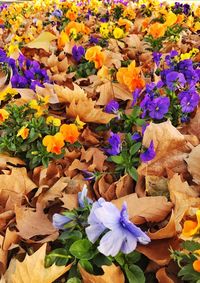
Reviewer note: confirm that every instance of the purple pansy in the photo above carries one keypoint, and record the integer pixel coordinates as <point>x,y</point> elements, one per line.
<point>159,107</point>
<point>115,144</point>
<point>156,58</point>
<point>174,80</point>
<point>60,220</point>
<point>78,52</point>
<point>122,235</point>
<point>136,137</point>
<point>112,107</point>
<point>189,101</point>
<point>149,154</point>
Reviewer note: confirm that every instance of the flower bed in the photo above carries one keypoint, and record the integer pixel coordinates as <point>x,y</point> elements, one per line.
<point>99,142</point>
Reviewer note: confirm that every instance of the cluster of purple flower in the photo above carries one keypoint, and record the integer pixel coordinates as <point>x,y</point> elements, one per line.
<point>180,79</point>
<point>26,73</point>
<point>181,8</point>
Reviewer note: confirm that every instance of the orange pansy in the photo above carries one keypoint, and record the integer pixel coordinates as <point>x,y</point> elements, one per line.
<point>131,77</point>
<point>70,133</point>
<point>54,143</point>
<point>157,30</point>
<point>190,227</point>
<point>196,265</point>
<point>23,132</point>
<point>94,54</point>
<point>71,15</point>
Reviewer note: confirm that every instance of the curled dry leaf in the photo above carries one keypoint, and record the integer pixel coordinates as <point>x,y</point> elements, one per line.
<point>183,197</point>
<point>54,192</point>
<point>85,109</point>
<point>112,273</point>
<point>89,137</point>
<point>32,223</point>
<point>133,41</point>
<point>193,164</point>
<point>158,250</point>
<point>162,276</point>
<point>145,209</point>
<point>5,159</point>
<point>168,231</point>
<point>43,41</point>
<point>23,272</point>
<point>170,147</point>
<point>194,126</point>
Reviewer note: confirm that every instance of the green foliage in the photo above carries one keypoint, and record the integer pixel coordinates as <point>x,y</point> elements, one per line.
<point>128,160</point>
<point>185,259</point>
<point>29,149</point>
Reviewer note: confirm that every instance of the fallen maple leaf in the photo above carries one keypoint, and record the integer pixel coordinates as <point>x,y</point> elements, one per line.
<point>85,109</point>
<point>170,147</point>
<point>32,223</point>
<point>33,270</point>
<point>43,41</point>
<point>145,209</point>
<point>112,273</point>
<point>193,164</point>
<point>183,197</point>
<point>96,156</point>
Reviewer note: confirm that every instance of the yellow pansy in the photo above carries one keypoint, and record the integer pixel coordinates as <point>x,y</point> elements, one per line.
<point>3,115</point>
<point>104,30</point>
<point>79,123</point>
<point>196,26</point>
<point>54,121</point>
<point>118,33</point>
<point>23,132</point>
<point>8,91</point>
<point>171,19</point>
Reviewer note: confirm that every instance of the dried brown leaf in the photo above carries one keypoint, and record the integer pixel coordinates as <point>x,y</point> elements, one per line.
<point>85,109</point>
<point>162,276</point>
<point>94,155</point>
<point>145,209</point>
<point>170,147</point>
<point>112,273</point>
<point>168,231</point>
<point>193,164</point>
<point>43,41</point>
<point>23,272</point>
<point>32,223</point>
<point>158,250</point>
<point>183,197</point>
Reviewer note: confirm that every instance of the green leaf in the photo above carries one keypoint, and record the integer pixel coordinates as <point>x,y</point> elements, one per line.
<point>74,280</point>
<point>120,258</point>
<point>58,256</point>
<point>189,274</point>
<point>191,245</point>
<point>134,274</point>
<point>118,159</point>
<point>133,173</point>
<point>82,249</point>
<point>75,235</point>
<point>86,265</point>
<point>133,257</point>
<point>134,148</point>
<point>101,259</point>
